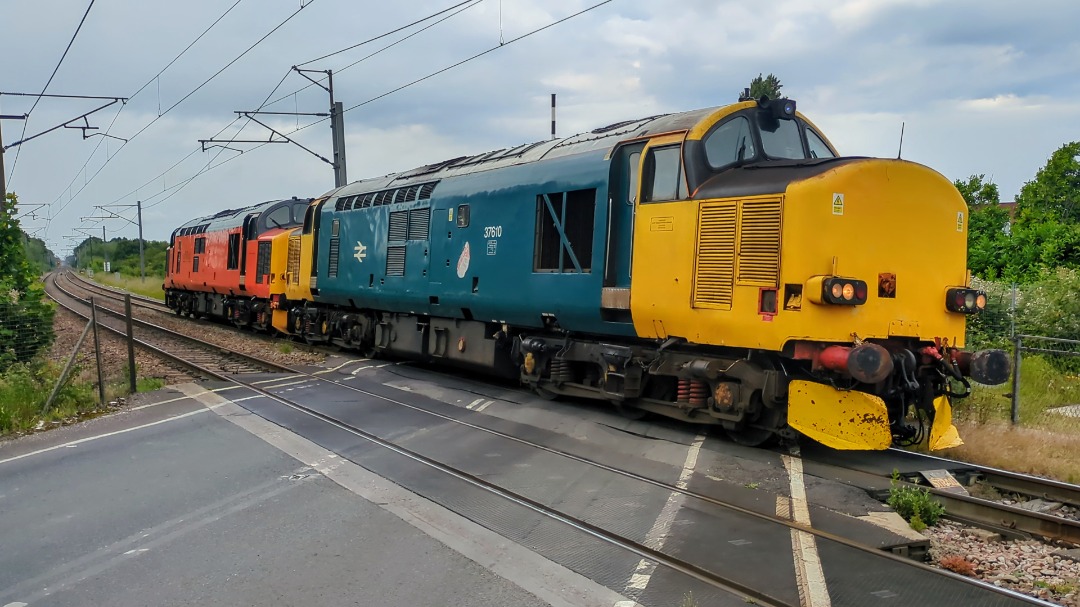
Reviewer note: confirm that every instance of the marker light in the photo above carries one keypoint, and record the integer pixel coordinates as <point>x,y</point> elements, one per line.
<point>965,301</point>
<point>843,291</point>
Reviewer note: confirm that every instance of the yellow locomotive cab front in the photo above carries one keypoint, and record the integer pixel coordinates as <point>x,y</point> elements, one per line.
<point>847,276</point>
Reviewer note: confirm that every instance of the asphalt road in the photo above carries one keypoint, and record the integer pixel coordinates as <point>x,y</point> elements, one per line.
<point>197,510</point>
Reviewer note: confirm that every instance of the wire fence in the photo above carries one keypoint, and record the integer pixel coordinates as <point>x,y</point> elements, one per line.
<point>1039,325</point>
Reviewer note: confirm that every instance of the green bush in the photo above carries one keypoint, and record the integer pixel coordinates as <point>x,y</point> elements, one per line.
<point>915,504</point>
<point>24,388</point>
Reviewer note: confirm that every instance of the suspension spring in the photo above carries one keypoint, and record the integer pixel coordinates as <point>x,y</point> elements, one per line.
<point>699,393</point>
<point>561,371</point>
<point>682,391</point>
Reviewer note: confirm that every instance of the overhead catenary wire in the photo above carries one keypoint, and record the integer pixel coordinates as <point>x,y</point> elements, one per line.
<point>402,87</point>
<point>15,162</point>
<point>192,92</point>
<point>461,6</point>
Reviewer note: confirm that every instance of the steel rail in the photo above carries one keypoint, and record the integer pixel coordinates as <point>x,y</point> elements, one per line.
<point>206,346</point>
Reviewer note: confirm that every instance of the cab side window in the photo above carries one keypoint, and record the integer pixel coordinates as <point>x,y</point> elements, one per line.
<point>663,175</point>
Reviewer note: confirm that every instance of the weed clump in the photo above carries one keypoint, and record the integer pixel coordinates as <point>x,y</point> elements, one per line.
<point>915,504</point>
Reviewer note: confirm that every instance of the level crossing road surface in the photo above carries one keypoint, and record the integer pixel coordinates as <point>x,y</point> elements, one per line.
<point>217,494</point>
<point>175,505</point>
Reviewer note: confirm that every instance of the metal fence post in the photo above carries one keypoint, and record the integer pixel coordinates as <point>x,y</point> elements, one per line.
<point>1017,341</point>
<point>97,351</point>
<point>130,343</point>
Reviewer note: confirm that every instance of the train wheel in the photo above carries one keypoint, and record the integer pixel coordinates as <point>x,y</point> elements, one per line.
<point>630,412</point>
<point>758,432</point>
<point>545,394</point>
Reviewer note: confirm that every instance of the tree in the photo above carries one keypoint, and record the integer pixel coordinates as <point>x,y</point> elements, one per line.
<point>978,191</point>
<point>1055,191</point>
<point>25,317</point>
<point>768,86</point>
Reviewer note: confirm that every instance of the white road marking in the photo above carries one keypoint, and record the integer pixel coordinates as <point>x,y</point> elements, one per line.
<point>658,534</point>
<point>484,406</point>
<point>344,364</point>
<point>549,581</point>
<point>240,400</point>
<point>137,551</point>
<point>15,604</point>
<point>178,399</point>
<point>290,383</point>
<point>88,439</point>
<point>474,403</point>
<point>813,591</point>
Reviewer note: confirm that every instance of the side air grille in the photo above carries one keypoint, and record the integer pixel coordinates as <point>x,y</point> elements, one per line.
<point>293,262</point>
<point>395,261</point>
<point>419,220</point>
<point>759,244</point>
<point>335,246</point>
<point>399,226</point>
<point>426,190</point>
<point>715,271</point>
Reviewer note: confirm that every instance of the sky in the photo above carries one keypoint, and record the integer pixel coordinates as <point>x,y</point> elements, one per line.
<point>989,87</point>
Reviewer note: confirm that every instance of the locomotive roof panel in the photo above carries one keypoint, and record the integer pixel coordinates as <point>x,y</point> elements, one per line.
<point>600,139</point>
<point>233,218</point>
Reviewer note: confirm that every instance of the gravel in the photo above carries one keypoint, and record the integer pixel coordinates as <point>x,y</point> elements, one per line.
<point>1029,566</point>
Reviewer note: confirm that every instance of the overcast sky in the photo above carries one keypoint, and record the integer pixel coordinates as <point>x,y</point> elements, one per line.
<point>983,87</point>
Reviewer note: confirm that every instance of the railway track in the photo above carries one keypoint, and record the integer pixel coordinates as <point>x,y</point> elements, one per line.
<point>205,359</point>
<point>205,362</point>
<point>698,500</point>
<point>972,494</point>
<point>1010,520</point>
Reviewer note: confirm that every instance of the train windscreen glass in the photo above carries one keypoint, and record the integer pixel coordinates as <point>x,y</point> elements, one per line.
<point>781,139</point>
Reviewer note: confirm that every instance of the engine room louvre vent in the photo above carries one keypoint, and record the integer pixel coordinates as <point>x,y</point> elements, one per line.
<point>715,271</point>
<point>341,204</point>
<point>399,226</point>
<point>395,261</point>
<point>293,261</point>
<point>759,244</point>
<point>335,246</point>
<point>426,190</point>
<point>419,221</point>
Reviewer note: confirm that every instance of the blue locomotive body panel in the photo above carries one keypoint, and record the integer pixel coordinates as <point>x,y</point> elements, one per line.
<point>517,245</point>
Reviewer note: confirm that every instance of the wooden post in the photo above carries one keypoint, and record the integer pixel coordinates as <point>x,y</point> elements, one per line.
<point>97,351</point>
<point>67,368</point>
<point>131,343</point>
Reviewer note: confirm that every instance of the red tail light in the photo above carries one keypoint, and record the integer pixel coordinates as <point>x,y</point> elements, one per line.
<point>965,301</point>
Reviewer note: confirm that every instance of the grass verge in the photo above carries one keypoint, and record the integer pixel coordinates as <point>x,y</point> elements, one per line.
<point>151,287</point>
<point>24,389</point>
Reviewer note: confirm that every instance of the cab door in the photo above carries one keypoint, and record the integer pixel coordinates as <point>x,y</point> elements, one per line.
<point>622,201</point>
<point>665,223</point>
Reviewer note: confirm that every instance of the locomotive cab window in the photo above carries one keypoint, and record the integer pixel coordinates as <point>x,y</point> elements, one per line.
<point>731,143</point>
<point>200,245</point>
<point>564,231</point>
<point>663,175</point>
<point>780,139</point>
<point>234,251</point>
<point>818,147</point>
<point>279,217</point>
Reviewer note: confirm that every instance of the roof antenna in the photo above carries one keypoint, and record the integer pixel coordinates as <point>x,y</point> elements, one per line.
<point>553,116</point>
<point>901,141</point>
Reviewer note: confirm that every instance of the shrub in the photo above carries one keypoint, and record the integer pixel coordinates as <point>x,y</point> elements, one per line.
<point>915,504</point>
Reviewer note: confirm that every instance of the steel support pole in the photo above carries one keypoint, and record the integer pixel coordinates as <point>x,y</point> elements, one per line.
<point>1016,380</point>
<point>337,125</point>
<point>3,183</point>
<point>130,343</point>
<point>104,251</point>
<point>142,258</point>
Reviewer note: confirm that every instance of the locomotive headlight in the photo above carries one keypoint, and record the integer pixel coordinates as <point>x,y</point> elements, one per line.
<point>835,290</point>
<point>965,301</point>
